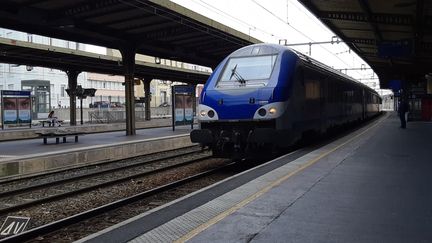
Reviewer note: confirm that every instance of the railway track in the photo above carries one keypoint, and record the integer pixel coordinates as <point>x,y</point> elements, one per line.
<point>47,232</point>
<point>36,194</point>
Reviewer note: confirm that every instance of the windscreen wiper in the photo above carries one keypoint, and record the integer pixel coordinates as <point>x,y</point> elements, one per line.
<point>235,74</point>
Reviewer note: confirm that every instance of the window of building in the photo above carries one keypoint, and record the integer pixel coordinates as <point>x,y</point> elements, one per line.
<point>29,37</point>
<point>52,90</point>
<point>163,96</point>
<point>10,86</point>
<point>62,90</point>
<point>104,85</point>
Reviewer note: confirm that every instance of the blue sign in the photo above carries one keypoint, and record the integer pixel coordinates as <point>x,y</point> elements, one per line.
<point>401,48</point>
<point>16,93</point>
<point>395,85</point>
<point>184,89</point>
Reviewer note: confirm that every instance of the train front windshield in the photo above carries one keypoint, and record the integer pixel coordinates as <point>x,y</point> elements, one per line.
<point>248,71</point>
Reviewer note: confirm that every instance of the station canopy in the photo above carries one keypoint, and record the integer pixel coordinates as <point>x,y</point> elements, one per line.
<point>394,36</point>
<point>157,28</point>
<point>32,54</point>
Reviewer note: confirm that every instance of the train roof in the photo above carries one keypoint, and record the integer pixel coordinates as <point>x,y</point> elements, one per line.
<point>313,62</point>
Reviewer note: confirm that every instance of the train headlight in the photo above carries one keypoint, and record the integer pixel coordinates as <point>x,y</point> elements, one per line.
<point>262,112</point>
<point>271,111</point>
<point>206,113</point>
<point>211,113</point>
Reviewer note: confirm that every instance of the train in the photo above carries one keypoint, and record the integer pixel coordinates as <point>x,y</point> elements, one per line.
<point>268,96</point>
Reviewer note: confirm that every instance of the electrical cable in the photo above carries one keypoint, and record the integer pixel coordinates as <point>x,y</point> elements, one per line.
<point>298,31</point>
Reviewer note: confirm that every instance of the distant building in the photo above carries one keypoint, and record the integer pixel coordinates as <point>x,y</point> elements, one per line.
<point>12,75</point>
<point>49,85</point>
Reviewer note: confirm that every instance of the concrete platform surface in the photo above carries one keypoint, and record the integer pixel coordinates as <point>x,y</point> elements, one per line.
<point>371,186</point>
<point>30,156</point>
<point>10,149</point>
<point>27,133</point>
<point>381,192</point>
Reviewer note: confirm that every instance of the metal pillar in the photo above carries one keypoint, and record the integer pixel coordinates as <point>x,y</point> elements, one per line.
<point>147,94</point>
<point>72,86</point>
<point>81,111</point>
<point>128,56</point>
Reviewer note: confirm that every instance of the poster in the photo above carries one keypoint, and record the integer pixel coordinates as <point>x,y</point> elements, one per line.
<point>179,110</point>
<point>10,111</point>
<point>188,103</point>
<point>183,105</point>
<point>24,110</point>
<point>16,108</point>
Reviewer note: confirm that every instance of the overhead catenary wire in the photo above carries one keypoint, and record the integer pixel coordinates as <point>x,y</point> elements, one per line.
<point>298,31</point>
<point>221,12</point>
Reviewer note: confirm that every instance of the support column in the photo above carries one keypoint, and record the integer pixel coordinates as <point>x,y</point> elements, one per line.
<point>147,94</point>
<point>128,57</point>
<point>72,86</point>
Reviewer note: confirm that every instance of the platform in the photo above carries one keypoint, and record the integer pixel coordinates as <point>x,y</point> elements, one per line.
<point>20,157</point>
<point>370,186</point>
<point>28,133</point>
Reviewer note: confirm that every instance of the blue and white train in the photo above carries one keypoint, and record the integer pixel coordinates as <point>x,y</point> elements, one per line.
<point>267,96</point>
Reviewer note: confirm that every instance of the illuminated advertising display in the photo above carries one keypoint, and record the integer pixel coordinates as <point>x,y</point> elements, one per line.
<point>16,108</point>
<point>183,102</point>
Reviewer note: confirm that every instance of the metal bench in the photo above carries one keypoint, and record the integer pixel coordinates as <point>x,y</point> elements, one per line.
<point>57,135</point>
<point>50,122</point>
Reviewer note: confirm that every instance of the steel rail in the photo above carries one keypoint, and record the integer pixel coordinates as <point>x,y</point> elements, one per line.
<point>51,227</point>
<point>93,187</point>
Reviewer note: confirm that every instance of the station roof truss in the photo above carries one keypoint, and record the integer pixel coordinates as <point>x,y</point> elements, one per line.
<point>157,28</point>
<point>31,54</point>
<point>394,36</point>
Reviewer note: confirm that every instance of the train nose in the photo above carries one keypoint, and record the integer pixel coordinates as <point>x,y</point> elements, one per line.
<point>238,104</point>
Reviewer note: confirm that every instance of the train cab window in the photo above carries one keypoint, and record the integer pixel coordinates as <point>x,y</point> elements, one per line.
<point>247,71</point>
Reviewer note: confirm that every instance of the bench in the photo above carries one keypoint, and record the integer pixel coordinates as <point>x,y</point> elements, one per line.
<point>50,122</point>
<point>57,135</point>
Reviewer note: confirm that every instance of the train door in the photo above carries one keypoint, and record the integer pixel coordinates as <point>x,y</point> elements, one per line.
<point>324,83</point>
<point>363,104</point>
<point>426,107</point>
<point>296,104</point>
<point>312,114</point>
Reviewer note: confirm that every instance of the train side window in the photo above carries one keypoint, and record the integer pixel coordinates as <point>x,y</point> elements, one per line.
<point>312,85</point>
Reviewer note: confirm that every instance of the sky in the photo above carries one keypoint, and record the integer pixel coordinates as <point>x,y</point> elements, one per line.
<point>274,20</point>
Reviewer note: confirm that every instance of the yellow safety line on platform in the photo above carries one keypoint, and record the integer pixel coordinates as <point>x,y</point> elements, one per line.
<point>243,203</point>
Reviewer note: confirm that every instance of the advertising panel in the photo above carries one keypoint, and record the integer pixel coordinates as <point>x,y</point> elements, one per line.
<point>24,110</point>
<point>10,111</point>
<point>179,109</point>
<point>183,102</point>
<point>188,106</point>
<point>16,108</point>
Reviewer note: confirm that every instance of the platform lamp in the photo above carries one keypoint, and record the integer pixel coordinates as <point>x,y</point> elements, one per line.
<point>82,94</point>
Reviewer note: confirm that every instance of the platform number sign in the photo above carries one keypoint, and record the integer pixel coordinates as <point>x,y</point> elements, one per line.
<point>14,225</point>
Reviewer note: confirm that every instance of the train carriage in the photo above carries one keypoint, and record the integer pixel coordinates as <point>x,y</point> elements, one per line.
<point>266,96</point>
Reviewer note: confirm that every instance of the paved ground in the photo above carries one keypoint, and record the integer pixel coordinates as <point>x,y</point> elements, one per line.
<point>34,146</point>
<point>381,191</point>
